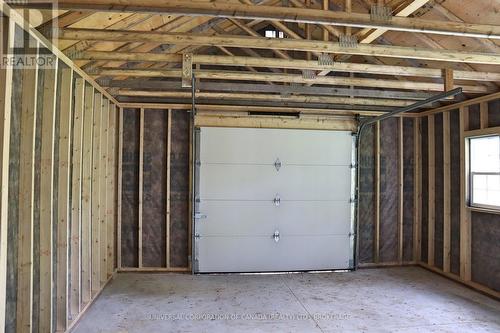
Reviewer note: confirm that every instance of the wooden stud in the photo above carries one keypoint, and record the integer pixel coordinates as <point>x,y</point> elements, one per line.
<point>7,43</point>
<point>417,194</point>
<point>377,194</point>
<point>65,129</point>
<point>110,187</point>
<point>76,200</point>
<point>484,110</point>
<point>169,152</point>
<point>141,181</point>
<point>446,193</point>
<point>103,175</point>
<point>432,190</point>
<point>96,170</point>
<point>448,79</point>
<point>400,190</point>
<point>465,215</point>
<point>26,199</point>
<point>46,199</point>
<point>120,189</point>
<point>88,119</point>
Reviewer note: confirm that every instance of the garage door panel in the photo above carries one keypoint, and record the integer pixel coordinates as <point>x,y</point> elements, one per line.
<point>245,182</point>
<point>260,218</point>
<point>261,254</point>
<point>264,146</point>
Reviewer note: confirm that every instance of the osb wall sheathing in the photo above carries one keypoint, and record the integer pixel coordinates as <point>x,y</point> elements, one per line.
<point>179,189</point>
<point>130,186</point>
<point>367,196</point>
<point>408,187</point>
<point>389,190</point>
<point>486,250</point>
<point>455,191</point>
<point>424,189</point>
<point>439,194</point>
<point>154,209</point>
<point>389,193</point>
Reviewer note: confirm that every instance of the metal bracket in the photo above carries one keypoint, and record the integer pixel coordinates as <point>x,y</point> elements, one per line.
<point>324,59</point>
<point>308,74</point>
<point>197,236</point>
<point>199,216</point>
<point>380,13</point>
<point>187,70</point>
<point>276,236</point>
<point>277,164</point>
<point>277,200</point>
<point>348,41</point>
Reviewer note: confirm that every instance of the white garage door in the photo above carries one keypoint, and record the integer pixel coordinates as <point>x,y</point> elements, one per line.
<point>273,200</point>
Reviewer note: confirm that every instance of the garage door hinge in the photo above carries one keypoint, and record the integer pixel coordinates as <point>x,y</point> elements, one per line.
<point>200,216</point>
<point>197,236</point>
<point>277,164</point>
<point>352,234</point>
<point>353,200</point>
<point>354,165</point>
<point>198,163</point>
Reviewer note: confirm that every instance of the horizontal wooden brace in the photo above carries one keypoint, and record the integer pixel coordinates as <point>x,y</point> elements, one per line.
<point>275,44</point>
<point>266,88</point>
<point>268,97</point>
<point>290,78</point>
<point>239,61</point>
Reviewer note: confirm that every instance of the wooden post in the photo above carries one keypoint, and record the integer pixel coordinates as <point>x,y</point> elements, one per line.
<point>66,93</point>
<point>88,120</point>
<point>377,193</point>
<point>446,193</point>
<point>169,150</point>
<point>46,198</point>
<point>465,216</point>
<point>96,169</point>
<point>448,79</point>
<point>26,199</point>
<point>417,194</point>
<point>120,170</point>
<point>103,192</point>
<point>432,190</point>
<point>76,209</point>
<point>141,176</point>
<point>7,40</point>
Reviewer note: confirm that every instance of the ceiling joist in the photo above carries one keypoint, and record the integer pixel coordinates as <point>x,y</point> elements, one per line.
<point>275,13</point>
<point>277,44</point>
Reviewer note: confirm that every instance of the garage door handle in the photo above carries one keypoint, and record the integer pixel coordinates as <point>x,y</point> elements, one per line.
<point>276,236</point>
<point>277,200</point>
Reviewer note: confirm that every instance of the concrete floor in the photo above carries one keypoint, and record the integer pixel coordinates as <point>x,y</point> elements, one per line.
<point>372,300</point>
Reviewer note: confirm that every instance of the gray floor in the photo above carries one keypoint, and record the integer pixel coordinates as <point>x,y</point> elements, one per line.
<point>371,300</point>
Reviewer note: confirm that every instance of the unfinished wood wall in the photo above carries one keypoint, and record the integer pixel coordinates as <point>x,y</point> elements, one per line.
<point>154,225</point>
<point>59,180</point>
<point>457,241</point>
<point>387,206</point>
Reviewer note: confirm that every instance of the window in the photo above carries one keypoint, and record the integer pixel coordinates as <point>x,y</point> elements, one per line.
<point>274,34</point>
<point>484,172</point>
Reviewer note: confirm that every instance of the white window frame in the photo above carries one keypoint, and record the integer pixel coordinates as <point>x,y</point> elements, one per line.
<point>470,135</point>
